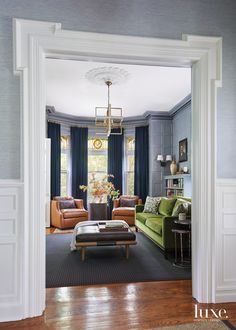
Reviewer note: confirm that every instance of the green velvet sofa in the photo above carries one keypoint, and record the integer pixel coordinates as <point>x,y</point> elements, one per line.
<point>159,227</point>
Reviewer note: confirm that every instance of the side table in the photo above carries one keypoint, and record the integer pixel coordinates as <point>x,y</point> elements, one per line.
<point>184,229</point>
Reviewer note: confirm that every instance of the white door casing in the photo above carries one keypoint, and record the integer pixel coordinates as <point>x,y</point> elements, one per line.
<point>33,41</point>
<point>48,182</point>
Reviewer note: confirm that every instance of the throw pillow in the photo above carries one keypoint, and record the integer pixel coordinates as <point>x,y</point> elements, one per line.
<point>166,206</point>
<point>180,207</point>
<point>67,204</point>
<point>127,202</point>
<point>151,204</point>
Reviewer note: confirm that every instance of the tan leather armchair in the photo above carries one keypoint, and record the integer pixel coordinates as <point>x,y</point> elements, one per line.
<point>124,208</point>
<point>67,217</point>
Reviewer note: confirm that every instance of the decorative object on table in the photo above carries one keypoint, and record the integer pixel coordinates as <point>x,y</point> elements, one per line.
<point>100,190</point>
<point>182,216</point>
<point>112,226</point>
<point>183,150</point>
<point>160,158</point>
<point>108,117</point>
<point>173,167</point>
<point>185,169</point>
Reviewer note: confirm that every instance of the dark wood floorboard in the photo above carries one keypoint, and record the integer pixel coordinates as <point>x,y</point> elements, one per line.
<point>118,306</point>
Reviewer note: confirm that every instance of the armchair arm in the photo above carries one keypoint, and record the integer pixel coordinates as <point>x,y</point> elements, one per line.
<point>168,236</point>
<point>56,215</point>
<point>79,203</point>
<point>139,208</point>
<point>116,203</point>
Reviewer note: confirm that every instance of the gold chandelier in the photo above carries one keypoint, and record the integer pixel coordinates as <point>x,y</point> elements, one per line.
<point>108,117</point>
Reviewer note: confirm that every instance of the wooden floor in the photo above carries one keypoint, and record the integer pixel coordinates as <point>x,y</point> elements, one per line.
<point>118,306</point>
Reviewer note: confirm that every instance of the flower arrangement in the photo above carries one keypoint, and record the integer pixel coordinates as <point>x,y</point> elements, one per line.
<point>101,189</point>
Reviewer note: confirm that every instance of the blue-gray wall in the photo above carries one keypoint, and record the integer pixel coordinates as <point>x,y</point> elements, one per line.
<point>160,143</point>
<point>181,127</point>
<point>149,18</point>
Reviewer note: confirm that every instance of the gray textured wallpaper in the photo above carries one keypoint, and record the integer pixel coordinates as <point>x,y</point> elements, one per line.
<point>153,18</point>
<point>181,129</point>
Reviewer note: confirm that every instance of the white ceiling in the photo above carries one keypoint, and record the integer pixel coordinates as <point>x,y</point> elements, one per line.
<point>149,88</point>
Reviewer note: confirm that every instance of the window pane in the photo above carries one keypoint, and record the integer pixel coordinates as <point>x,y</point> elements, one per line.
<point>130,163</point>
<point>63,184</point>
<point>64,162</point>
<point>130,183</point>
<point>65,142</point>
<point>97,163</point>
<point>130,143</point>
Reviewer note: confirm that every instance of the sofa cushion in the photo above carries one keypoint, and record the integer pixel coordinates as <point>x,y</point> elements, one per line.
<point>166,206</point>
<point>155,224</point>
<point>151,204</point>
<point>73,213</point>
<point>142,217</point>
<point>67,204</point>
<point>123,211</point>
<point>128,202</point>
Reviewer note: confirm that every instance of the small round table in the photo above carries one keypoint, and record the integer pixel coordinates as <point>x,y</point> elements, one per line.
<point>183,263</point>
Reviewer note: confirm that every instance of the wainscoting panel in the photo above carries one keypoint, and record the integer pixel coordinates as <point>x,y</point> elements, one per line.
<point>11,247</point>
<point>225,240</point>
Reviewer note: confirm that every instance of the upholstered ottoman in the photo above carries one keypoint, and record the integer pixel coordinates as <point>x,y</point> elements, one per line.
<point>103,233</point>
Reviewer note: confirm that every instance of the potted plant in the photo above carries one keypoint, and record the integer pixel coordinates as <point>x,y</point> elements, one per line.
<point>100,190</point>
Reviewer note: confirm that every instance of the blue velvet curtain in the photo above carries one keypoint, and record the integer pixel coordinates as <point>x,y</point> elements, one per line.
<point>115,162</point>
<point>141,174</point>
<point>54,133</point>
<point>79,158</point>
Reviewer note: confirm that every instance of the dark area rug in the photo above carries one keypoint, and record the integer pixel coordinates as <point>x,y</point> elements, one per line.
<point>104,265</point>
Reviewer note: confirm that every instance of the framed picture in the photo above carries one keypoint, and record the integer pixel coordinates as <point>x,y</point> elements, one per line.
<point>183,150</point>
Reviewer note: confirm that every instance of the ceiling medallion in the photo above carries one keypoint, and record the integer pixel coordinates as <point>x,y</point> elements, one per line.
<point>109,118</point>
<point>100,75</point>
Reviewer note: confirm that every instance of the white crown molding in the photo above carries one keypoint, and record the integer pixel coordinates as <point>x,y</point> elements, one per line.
<point>33,41</point>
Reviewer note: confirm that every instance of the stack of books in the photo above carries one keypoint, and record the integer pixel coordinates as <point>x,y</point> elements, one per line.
<point>112,227</point>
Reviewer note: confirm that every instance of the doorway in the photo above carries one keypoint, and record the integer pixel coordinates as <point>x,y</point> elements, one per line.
<point>34,42</point>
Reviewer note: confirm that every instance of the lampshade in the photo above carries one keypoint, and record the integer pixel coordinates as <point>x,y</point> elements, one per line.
<point>168,158</point>
<point>160,158</point>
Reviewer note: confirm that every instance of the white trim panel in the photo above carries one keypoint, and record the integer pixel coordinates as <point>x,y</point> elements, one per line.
<point>11,248</point>
<point>225,240</point>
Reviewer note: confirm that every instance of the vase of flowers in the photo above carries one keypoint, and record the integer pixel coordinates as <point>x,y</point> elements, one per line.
<point>100,190</point>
